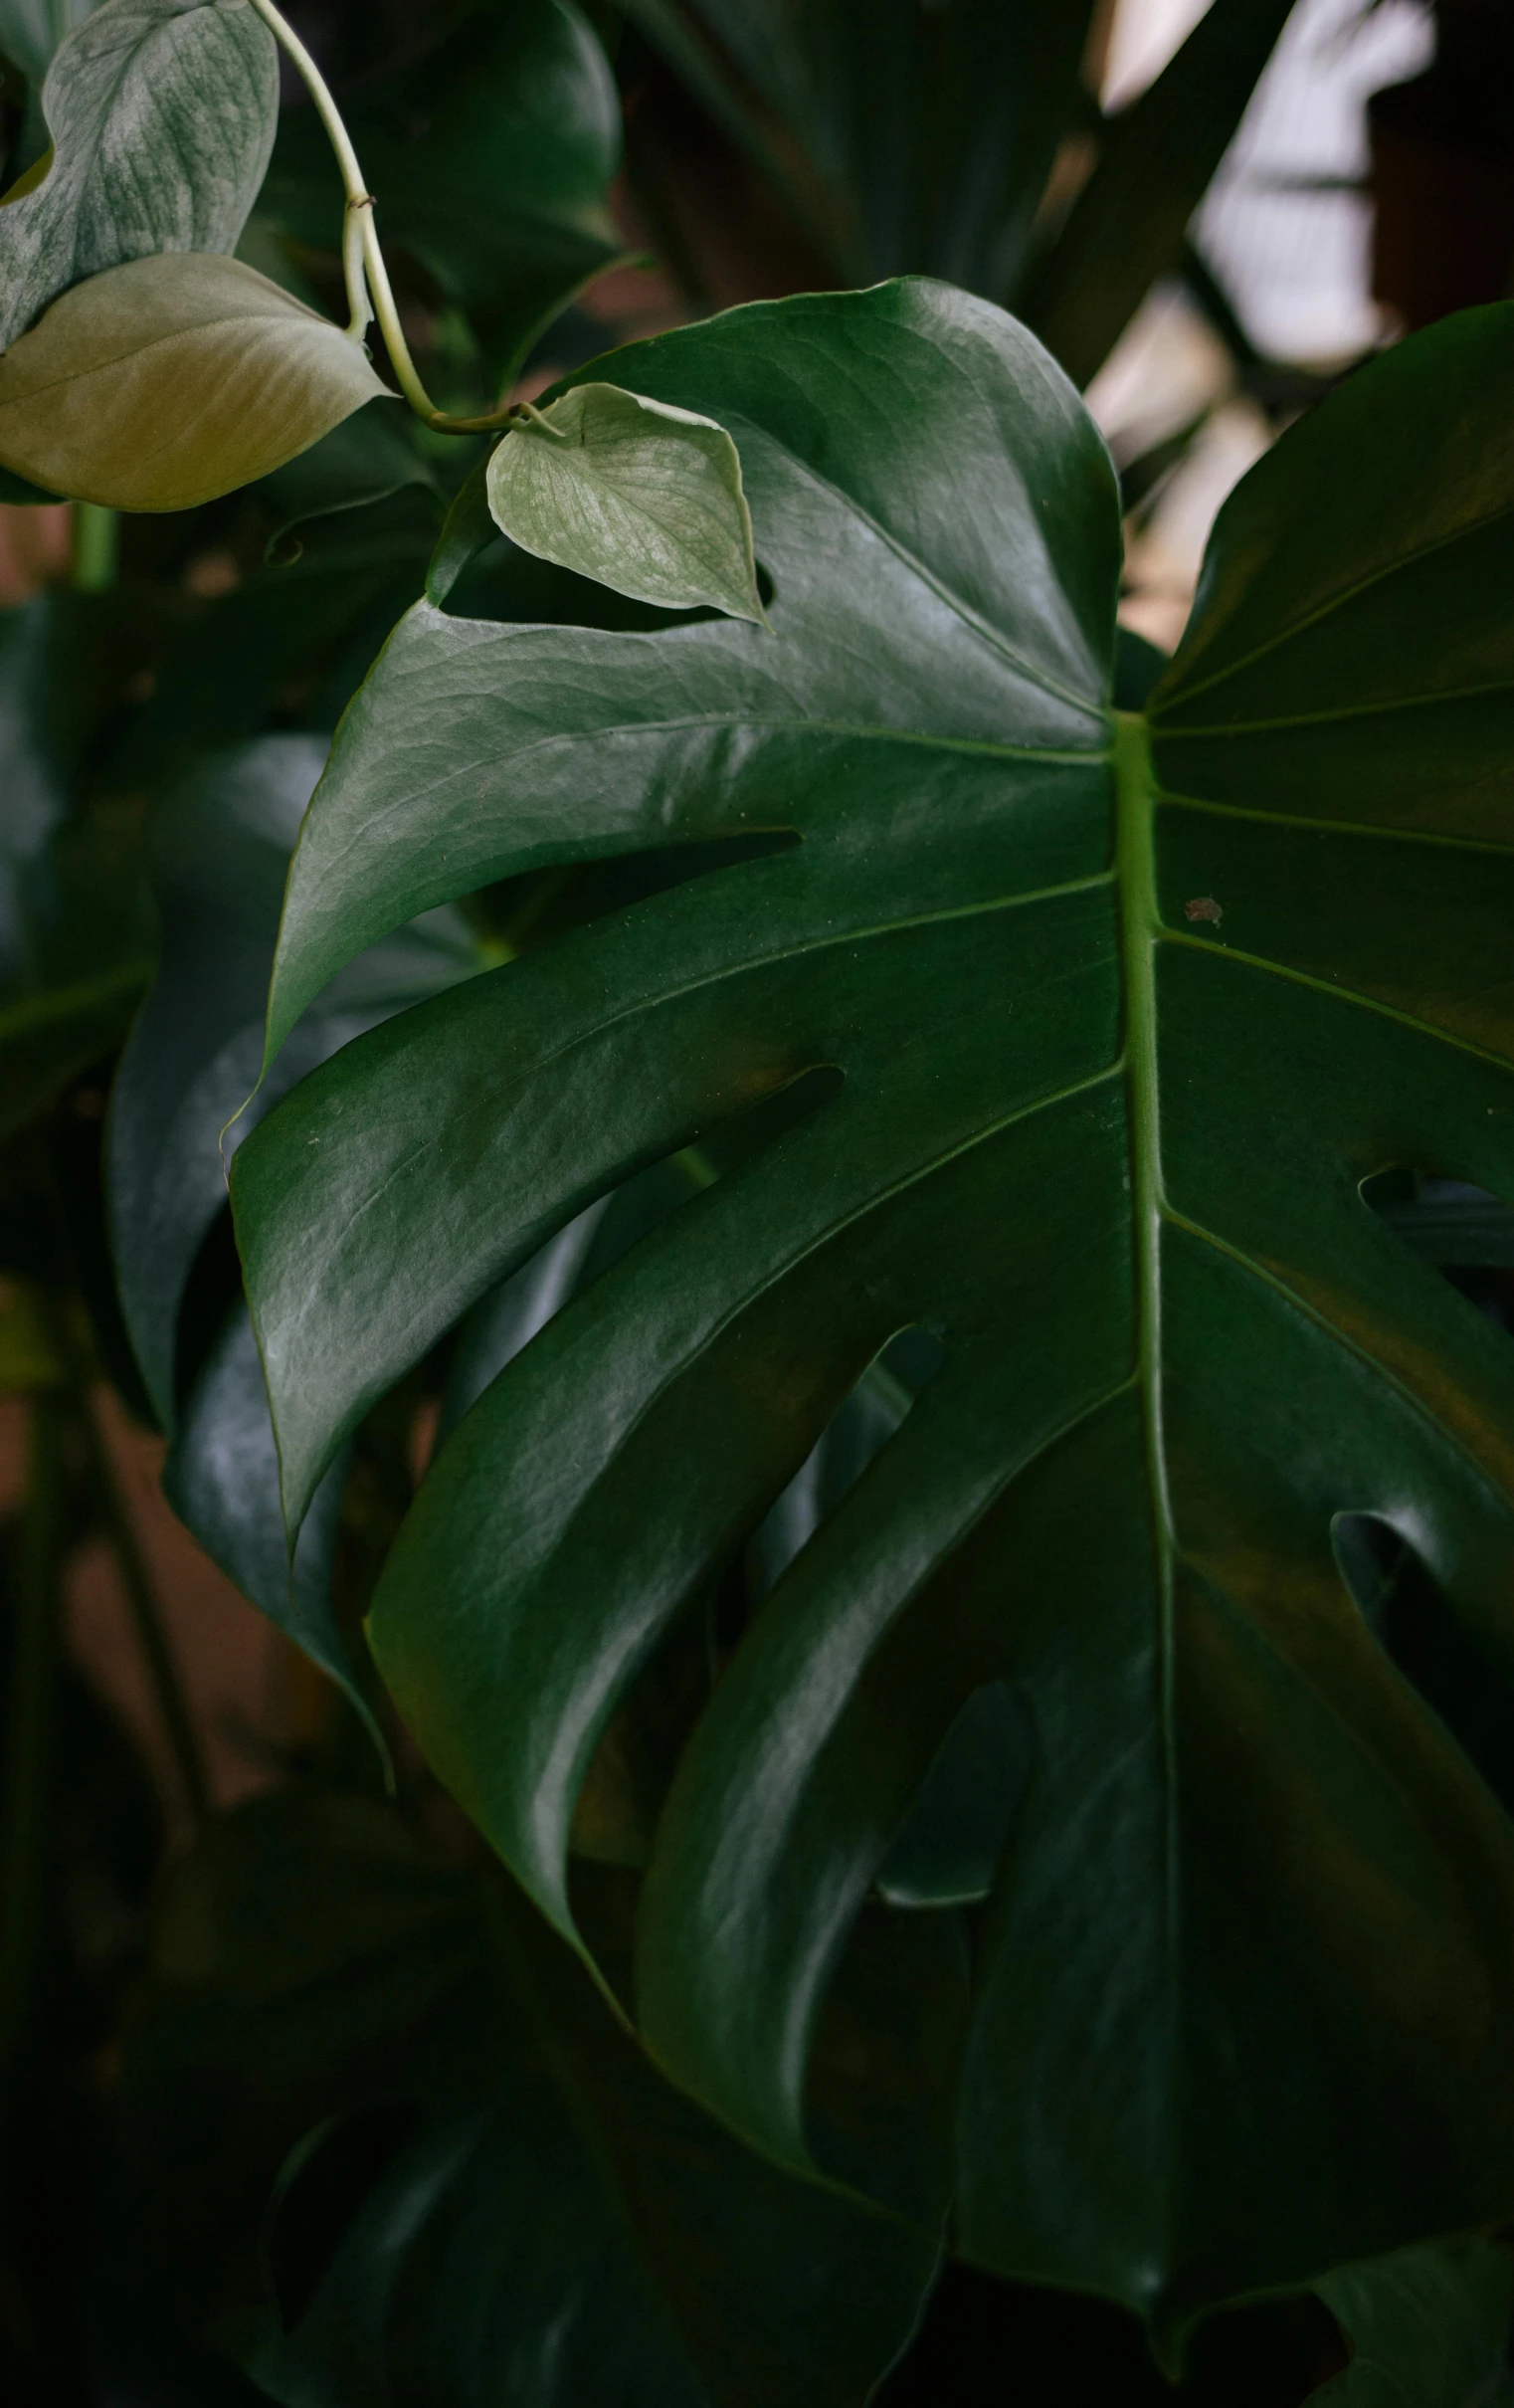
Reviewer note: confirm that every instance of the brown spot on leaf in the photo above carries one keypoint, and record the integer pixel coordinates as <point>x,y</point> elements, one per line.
<point>1202,906</point>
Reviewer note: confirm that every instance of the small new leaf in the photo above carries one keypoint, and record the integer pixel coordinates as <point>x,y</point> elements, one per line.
<point>162,115</point>
<point>166,382</point>
<point>641,496</point>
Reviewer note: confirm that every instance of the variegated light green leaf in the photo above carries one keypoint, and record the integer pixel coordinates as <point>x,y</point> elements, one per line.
<point>636,494</point>
<point>162,115</point>
<point>167,381</point>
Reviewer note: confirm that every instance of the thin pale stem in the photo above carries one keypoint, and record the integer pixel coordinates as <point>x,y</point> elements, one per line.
<point>94,547</point>
<point>369,293</point>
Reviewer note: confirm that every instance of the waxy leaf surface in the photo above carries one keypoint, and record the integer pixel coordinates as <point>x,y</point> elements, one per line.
<point>1125,1010</point>
<point>168,382</point>
<point>162,115</point>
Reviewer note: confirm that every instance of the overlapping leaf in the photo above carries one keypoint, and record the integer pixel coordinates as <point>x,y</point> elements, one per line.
<point>1123,1027</point>
<point>907,139</point>
<point>165,382</point>
<point>162,115</point>
<point>221,841</point>
<point>549,2221</point>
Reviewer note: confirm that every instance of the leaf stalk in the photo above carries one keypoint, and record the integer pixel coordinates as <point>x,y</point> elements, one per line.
<point>370,296</point>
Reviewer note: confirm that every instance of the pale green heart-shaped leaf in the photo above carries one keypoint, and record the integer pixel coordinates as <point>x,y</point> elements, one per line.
<point>636,494</point>
<point>167,381</point>
<point>162,115</point>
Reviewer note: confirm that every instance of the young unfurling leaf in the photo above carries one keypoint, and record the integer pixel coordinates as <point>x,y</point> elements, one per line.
<point>636,494</point>
<point>167,381</point>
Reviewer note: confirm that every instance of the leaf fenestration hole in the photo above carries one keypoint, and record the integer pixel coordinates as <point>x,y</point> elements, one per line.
<point>1464,1232</point>
<point>538,906</point>
<point>868,1418</point>
<point>1407,1612</point>
<point>510,1315</point>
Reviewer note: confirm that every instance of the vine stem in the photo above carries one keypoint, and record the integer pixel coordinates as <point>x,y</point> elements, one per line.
<point>370,294</point>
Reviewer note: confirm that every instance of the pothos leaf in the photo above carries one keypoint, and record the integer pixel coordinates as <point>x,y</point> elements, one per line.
<point>165,382</point>
<point>636,494</point>
<point>1125,1011</point>
<point>1428,2328</point>
<point>162,115</point>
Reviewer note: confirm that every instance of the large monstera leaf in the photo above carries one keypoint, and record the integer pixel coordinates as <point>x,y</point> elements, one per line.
<point>161,114</point>
<point>1114,1017</point>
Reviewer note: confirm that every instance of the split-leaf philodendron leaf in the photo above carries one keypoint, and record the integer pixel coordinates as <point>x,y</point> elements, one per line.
<point>162,115</point>
<point>1124,1012</point>
<point>636,494</point>
<point>167,381</point>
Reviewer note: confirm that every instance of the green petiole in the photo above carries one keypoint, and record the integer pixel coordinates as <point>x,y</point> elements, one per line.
<point>370,296</point>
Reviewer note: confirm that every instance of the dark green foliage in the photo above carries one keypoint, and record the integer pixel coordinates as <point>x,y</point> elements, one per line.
<point>1075,1001</point>
<point>877,1238</point>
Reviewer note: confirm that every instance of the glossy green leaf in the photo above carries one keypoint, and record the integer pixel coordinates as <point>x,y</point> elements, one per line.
<point>221,841</point>
<point>1128,223</point>
<point>161,114</point>
<point>222,1479</point>
<point>636,493</point>
<point>553,2224</point>
<point>907,139</point>
<point>1125,1013</point>
<point>492,158</point>
<point>168,382</point>
<point>1429,2328</point>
